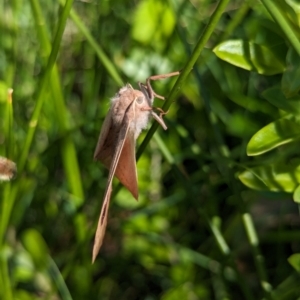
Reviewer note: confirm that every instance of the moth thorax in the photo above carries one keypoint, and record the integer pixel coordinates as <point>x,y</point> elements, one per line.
<point>141,122</point>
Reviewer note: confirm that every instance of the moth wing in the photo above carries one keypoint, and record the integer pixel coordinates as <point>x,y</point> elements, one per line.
<point>124,129</point>
<point>102,222</point>
<point>104,156</point>
<point>126,168</point>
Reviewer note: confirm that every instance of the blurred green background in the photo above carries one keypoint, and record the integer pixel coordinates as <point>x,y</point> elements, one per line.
<point>218,214</point>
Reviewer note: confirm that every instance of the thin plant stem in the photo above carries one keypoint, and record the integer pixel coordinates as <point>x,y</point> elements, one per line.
<point>215,230</point>
<point>109,66</point>
<point>10,194</point>
<point>212,23</point>
<point>280,19</point>
<point>41,95</point>
<point>67,146</point>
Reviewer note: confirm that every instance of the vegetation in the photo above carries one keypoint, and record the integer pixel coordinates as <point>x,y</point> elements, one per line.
<point>218,214</point>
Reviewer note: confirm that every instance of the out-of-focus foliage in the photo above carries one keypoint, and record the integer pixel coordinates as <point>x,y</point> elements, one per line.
<point>215,217</point>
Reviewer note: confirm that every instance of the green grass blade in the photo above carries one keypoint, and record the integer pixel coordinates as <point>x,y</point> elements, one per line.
<point>41,94</point>
<point>279,18</point>
<point>97,48</point>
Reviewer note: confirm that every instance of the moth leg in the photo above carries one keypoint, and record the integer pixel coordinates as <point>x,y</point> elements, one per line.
<point>162,112</point>
<point>163,76</point>
<point>159,119</point>
<point>157,77</point>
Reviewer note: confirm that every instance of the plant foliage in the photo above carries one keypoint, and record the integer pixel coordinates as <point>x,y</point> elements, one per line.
<point>217,216</point>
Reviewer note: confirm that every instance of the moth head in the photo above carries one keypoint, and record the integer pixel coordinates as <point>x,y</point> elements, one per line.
<point>146,93</point>
<point>123,90</point>
<point>140,100</point>
<point>141,113</point>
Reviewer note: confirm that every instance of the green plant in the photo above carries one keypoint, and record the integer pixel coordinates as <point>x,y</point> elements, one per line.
<point>215,217</point>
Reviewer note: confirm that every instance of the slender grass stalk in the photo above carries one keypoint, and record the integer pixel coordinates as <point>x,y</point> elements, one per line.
<point>187,68</point>
<point>40,27</point>
<point>6,288</point>
<point>219,288</point>
<point>280,19</point>
<point>258,257</point>
<point>196,53</point>
<point>220,239</point>
<point>34,119</point>
<point>189,255</point>
<point>9,131</point>
<point>10,195</point>
<point>288,289</point>
<point>184,73</point>
<point>223,246</point>
<point>111,69</point>
<point>59,280</point>
<point>236,20</point>
<point>249,226</point>
<point>67,146</point>
<point>5,205</point>
<point>224,151</point>
<point>41,94</point>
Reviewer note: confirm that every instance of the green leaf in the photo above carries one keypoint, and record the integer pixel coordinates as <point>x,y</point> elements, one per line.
<point>251,180</point>
<point>290,79</point>
<point>36,246</point>
<point>294,261</point>
<point>276,97</point>
<point>296,195</point>
<point>282,131</point>
<point>292,9</point>
<point>250,103</point>
<point>250,56</point>
<point>277,177</point>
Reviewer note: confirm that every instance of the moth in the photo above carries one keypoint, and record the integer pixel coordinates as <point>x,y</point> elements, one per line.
<point>128,116</point>
<point>8,169</point>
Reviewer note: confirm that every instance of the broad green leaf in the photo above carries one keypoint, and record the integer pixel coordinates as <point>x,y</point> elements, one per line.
<point>36,246</point>
<point>292,10</point>
<point>277,177</point>
<point>290,82</point>
<point>251,180</point>
<point>294,261</point>
<point>276,97</point>
<point>296,195</point>
<point>282,131</point>
<point>250,56</point>
<point>265,32</point>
